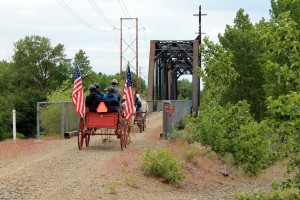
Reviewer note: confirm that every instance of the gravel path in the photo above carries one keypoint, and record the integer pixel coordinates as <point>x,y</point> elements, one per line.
<point>59,170</point>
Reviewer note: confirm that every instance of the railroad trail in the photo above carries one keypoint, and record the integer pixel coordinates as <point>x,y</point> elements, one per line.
<point>56,169</point>
<point>59,170</point>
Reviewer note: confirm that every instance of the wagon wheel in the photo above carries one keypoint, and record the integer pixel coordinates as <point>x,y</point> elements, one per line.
<point>144,123</point>
<point>87,140</point>
<point>124,134</point>
<point>141,124</point>
<point>121,134</point>
<point>80,134</point>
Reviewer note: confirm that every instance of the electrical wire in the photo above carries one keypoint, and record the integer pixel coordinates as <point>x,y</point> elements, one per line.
<point>76,16</point>
<point>100,13</point>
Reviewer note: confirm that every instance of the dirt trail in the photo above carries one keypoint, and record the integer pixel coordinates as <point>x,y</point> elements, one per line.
<point>59,170</point>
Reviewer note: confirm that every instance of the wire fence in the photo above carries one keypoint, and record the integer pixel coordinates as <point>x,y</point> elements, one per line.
<point>56,118</point>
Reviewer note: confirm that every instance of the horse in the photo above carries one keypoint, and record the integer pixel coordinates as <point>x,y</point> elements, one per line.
<point>144,108</point>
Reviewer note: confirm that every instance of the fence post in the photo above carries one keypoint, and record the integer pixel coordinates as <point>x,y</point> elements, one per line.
<point>38,120</point>
<point>62,120</point>
<point>14,125</point>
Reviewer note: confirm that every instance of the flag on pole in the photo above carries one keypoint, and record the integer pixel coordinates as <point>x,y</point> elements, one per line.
<point>128,91</point>
<point>77,94</point>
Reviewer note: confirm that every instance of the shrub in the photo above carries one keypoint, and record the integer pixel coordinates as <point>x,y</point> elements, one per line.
<point>231,129</point>
<point>9,135</point>
<point>163,163</point>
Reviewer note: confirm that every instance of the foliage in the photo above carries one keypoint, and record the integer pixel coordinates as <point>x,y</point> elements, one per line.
<point>242,41</point>
<point>231,129</point>
<point>50,114</point>
<point>38,68</point>
<point>184,87</point>
<point>39,64</point>
<point>282,66</point>
<point>163,163</point>
<point>6,105</point>
<point>218,72</point>
<point>281,6</point>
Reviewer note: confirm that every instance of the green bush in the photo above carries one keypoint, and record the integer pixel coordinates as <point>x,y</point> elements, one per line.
<point>250,149</point>
<point>231,129</point>
<point>163,163</point>
<point>9,135</point>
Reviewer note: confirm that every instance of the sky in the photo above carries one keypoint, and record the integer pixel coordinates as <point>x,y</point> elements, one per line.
<point>94,25</point>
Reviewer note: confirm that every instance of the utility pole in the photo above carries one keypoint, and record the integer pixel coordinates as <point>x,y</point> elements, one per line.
<point>129,46</point>
<point>199,42</point>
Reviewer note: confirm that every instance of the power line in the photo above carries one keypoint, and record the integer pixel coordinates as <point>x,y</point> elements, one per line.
<point>100,13</point>
<point>122,9</point>
<point>125,13</point>
<point>76,16</point>
<point>125,9</point>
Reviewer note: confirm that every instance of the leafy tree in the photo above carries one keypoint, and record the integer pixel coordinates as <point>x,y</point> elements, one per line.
<point>282,68</point>
<point>184,89</point>
<point>281,6</point>
<point>218,72</point>
<point>6,98</point>
<point>39,65</point>
<point>242,41</point>
<point>38,69</point>
<point>82,60</point>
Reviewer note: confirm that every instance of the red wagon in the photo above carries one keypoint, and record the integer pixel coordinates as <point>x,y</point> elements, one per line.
<point>103,120</point>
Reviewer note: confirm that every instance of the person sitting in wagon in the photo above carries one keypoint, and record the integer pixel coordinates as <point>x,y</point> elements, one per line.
<point>98,90</point>
<point>92,100</point>
<point>112,100</point>
<point>138,103</point>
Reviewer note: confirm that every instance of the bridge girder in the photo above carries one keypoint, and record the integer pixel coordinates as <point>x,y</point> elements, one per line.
<point>168,61</point>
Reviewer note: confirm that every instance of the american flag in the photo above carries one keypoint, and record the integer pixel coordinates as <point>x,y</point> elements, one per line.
<point>77,94</point>
<point>128,91</point>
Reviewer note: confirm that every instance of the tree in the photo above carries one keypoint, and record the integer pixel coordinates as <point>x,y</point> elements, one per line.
<point>38,69</point>
<point>242,41</point>
<point>281,6</point>
<point>282,69</point>
<point>39,65</point>
<point>5,99</point>
<point>184,89</point>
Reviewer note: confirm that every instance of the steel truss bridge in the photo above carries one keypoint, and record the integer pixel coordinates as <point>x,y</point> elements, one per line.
<point>168,61</point>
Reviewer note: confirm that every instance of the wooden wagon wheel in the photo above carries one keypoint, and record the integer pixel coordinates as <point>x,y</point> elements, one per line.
<point>87,140</point>
<point>124,134</point>
<point>81,134</point>
<point>144,121</point>
<point>141,123</point>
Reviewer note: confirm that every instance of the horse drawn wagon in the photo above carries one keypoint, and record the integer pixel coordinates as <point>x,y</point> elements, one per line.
<point>140,118</point>
<point>93,121</point>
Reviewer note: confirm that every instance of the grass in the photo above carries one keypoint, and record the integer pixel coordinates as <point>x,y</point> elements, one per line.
<point>112,188</point>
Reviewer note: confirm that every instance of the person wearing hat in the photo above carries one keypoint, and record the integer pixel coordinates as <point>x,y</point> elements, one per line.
<point>112,99</point>
<point>138,103</point>
<point>117,91</point>
<point>98,90</point>
<point>92,100</point>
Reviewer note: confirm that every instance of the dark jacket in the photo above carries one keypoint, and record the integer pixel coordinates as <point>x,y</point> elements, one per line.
<point>138,105</point>
<point>113,107</point>
<point>92,101</point>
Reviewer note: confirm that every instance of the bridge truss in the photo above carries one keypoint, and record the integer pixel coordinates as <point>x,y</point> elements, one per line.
<point>168,61</point>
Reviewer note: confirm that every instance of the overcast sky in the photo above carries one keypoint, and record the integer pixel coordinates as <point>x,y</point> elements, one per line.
<point>77,24</point>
